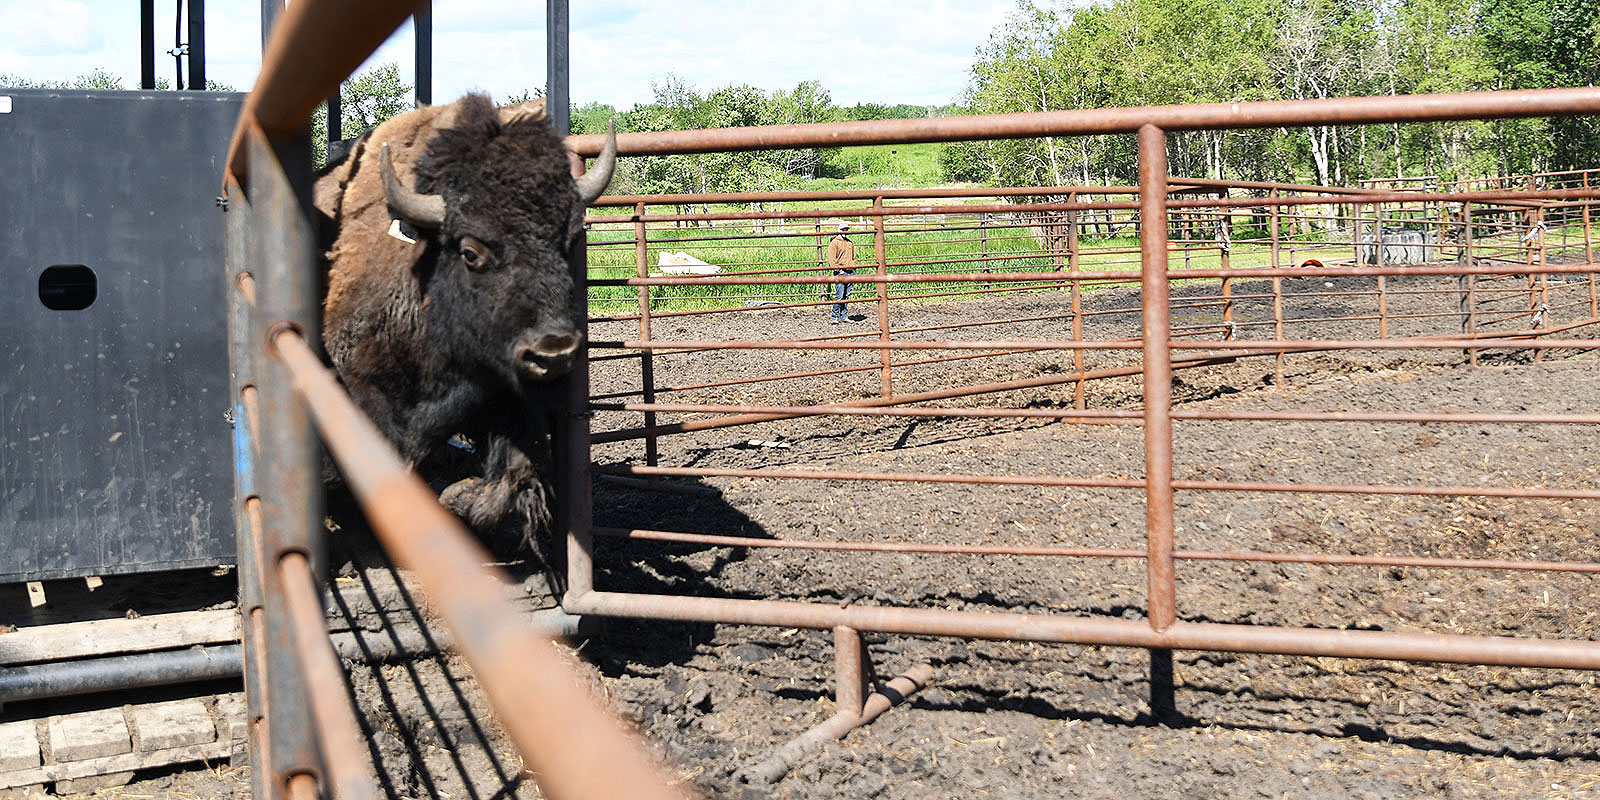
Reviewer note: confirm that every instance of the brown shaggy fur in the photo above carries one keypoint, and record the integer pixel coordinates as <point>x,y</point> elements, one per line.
<point>422,342</point>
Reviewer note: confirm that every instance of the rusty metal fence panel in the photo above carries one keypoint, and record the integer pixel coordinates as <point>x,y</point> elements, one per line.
<point>1463,248</point>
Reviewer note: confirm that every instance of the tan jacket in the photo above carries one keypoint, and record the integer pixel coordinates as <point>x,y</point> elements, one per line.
<point>842,255</point>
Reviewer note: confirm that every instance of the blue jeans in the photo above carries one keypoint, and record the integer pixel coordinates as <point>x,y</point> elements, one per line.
<point>840,292</point>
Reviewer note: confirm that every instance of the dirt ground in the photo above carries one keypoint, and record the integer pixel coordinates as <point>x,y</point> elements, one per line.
<point>1023,720</point>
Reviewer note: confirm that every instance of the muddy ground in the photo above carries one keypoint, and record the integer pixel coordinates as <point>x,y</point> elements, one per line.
<point>1023,720</point>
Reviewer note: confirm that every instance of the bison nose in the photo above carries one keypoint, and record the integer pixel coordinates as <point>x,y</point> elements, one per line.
<point>546,356</point>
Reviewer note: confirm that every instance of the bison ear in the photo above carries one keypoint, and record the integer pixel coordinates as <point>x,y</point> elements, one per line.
<point>528,109</point>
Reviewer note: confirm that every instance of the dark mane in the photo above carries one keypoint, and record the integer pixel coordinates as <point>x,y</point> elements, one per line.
<point>483,165</point>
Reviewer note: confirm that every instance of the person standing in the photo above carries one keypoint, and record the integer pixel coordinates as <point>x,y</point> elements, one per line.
<point>842,260</point>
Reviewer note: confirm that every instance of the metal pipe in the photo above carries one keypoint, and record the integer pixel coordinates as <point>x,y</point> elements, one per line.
<point>1177,183</point>
<point>1130,415</point>
<point>120,673</point>
<point>1272,201</point>
<point>312,48</point>
<point>422,32</point>
<point>879,257</point>
<point>647,364</point>
<point>339,735</point>
<point>1498,339</point>
<point>557,70</point>
<point>147,44</point>
<point>1386,645</point>
<point>1326,559</point>
<point>1105,277</point>
<point>1157,333</point>
<point>786,756</point>
<point>225,661</point>
<point>1102,482</point>
<point>1210,116</point>
<point>271,10</point>
<point>197,44</point>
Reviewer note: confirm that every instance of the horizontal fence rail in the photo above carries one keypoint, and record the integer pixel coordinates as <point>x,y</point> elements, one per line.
<point>1102,121</point>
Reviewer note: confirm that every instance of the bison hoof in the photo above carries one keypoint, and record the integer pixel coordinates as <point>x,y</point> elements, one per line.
<point>461,497</point>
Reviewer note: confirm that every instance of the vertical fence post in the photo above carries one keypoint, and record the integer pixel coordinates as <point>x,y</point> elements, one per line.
<point>1157,351</point>
<point>822,261</point>
<point>285,515</point>
<point>1377,243</point>
<point>1058,240</point>
<point>1157,376</point>
<point>983,244</point>
<point>879,252</point>
<point>1383,309</point>
<point>243,368</point>
<point>647,357</point>
<point>1542,296</point>
<point>570,441</point>
<point>1355,233</point>
<point>1588,249</point>
<point>1469,298</point>
<point>1277,291</point>
<point>849,670</point>
<point>1529,258</point>
<point>1225,261</point>
<point>1297,228</point>
<point>1079,397</point>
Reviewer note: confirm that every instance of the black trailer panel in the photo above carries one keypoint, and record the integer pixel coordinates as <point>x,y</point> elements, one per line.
<point>115,440</point>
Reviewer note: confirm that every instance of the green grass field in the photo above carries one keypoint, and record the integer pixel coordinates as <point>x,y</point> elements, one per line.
<point>797,251</point>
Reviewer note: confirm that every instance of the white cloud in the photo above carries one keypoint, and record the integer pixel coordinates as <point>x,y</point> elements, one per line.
<point>889,51</point>
<point>892,52</point>
<point>49,28</point>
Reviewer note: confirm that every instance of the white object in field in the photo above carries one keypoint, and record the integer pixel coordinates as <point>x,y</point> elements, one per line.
<point>685,264</point>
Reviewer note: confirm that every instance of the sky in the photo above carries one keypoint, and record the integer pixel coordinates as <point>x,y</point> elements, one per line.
<point>878,51</point>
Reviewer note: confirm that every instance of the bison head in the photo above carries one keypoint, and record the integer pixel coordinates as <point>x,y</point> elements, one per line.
<point>499,211</point>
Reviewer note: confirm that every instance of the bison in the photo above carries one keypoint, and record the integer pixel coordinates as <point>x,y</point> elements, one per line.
<point>449,305</point>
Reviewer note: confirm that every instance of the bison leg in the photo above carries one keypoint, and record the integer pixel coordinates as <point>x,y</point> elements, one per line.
<point>508,495</point>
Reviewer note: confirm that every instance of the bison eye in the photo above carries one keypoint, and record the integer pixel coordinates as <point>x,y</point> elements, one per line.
<point>474,254</point>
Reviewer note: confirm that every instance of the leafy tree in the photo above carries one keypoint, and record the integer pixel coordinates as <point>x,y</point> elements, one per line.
<point>523,96</point>
<point>680,106</point>
<point>1051,55</point>
<point>364,101</point>
<point>97,79</point>
<point>1538,44</point>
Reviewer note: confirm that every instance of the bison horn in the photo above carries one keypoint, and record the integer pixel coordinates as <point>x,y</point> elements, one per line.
<point>422,210</point>
<point>593,182</point>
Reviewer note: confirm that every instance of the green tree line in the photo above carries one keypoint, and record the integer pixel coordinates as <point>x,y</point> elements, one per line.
<point>676,105</point>
<point>1058,56</point>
